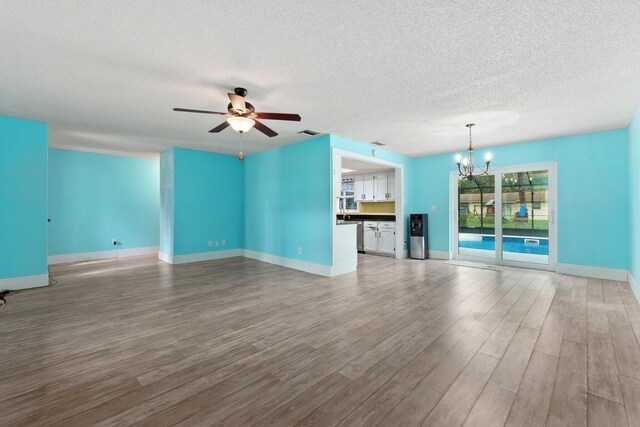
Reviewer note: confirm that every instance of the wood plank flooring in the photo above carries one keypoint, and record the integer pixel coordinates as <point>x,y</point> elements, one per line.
<point>238,342</point>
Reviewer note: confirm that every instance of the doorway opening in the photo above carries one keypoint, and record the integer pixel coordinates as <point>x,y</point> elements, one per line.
<point>363,188</point>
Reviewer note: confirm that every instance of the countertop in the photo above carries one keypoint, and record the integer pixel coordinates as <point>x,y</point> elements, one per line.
<point>366,217</point>
<point>370,214</point>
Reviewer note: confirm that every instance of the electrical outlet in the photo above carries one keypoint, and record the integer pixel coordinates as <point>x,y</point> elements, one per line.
<point>299,250</point>
<point>217,243</point>
<point>114,242</point>
<point>433,208</point>
<point>210,243</point>
<point>224,242</point>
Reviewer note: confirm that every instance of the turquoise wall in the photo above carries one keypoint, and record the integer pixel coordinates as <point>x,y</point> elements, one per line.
<point>406,162</point>
<point>208,202</point>
<point>94,198</point>
<point>287,201</point>
<point>593,194</point>
<point>279,200</point>
<point>431,187</point>
<point>634,195</point>
<point>23,197</point>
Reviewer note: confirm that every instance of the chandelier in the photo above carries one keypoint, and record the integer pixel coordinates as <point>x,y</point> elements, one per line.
<point>466,168</point>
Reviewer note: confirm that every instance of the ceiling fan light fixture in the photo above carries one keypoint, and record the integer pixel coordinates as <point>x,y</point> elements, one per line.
<point>242,116</point>
<point>241,124</point>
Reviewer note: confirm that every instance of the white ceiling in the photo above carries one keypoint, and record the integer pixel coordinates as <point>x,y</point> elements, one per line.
<point>357,166</point>
<point>106,74</point>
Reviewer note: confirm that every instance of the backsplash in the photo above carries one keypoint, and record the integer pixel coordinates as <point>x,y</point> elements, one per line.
<point>377,207</point>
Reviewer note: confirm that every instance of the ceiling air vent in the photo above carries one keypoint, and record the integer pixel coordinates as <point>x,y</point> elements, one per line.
<point>378,143</point>
<point>309,132</point>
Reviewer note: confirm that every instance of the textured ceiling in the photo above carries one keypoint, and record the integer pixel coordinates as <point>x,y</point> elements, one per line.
<point>106,74</point>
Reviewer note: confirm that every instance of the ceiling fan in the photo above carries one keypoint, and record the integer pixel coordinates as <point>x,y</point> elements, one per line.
<point>242,115</point>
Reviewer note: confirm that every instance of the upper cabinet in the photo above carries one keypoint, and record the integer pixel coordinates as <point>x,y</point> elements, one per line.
<point>391,185</point>
<point>359,188</point>
<point>375,187</point>
<point>381,187</point>
<point>369,187</point>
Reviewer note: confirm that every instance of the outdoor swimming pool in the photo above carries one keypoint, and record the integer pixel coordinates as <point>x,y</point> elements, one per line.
<point>520,245</point>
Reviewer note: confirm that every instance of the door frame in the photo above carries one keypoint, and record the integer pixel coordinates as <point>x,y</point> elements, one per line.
<point>336,161</point>
<point>498,259</point>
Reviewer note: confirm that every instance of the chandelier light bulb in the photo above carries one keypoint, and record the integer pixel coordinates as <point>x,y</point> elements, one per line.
<point>465,162</point>
<point>458,158</point>
<point>487,157</point>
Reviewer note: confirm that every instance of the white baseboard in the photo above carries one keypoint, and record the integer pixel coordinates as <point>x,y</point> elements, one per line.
<point>309,267</point>
<point>163,256</point>
<point>594,272</point>
<point>439,254</point>
<point>100,255</point>
<point>24,282</point>
<point>343,268</point>
<point>635,287</point>
<point>197,257</point>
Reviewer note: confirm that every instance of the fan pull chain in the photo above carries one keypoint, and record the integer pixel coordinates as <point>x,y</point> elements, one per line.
<point>241,154</point>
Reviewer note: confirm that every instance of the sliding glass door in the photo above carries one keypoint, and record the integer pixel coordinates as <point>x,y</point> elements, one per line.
<point>507,218</point>
<point>525,216</point>
<point>476,217</point>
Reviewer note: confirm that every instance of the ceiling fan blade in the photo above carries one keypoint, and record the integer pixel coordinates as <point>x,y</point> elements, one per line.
<point>264,129</point>
<point>237,102</point>
<point>279,116</point>
<point>186,110</point>
<point>222,126</point>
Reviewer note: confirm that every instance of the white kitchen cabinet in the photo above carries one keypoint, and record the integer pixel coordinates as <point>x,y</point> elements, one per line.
<point>371,236</point>
<point>381,186</point>
<point>391,185</point>
<point>380,237</point>
<point>369,186</point>
<point>385,186</point>
<point>387,241</point>
<point>374,187</point>
<point>358,188</point>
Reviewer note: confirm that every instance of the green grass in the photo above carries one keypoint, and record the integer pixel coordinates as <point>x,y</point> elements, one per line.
<point>538,224</point>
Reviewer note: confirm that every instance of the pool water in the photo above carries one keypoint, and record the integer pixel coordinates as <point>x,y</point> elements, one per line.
<point>509,244</point>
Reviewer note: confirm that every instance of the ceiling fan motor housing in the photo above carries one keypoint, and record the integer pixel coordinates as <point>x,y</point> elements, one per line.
<point>247,105</point>
<point>240,91</point>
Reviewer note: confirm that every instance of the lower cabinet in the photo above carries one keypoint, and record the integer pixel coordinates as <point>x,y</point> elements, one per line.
<point>370,236</point>
<point>387,241</point>
<point>380,237</point>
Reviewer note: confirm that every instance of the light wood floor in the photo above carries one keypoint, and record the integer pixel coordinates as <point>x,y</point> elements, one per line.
<point>239,342</point>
